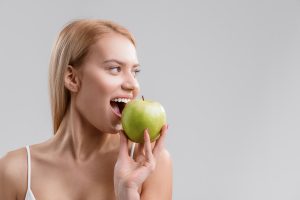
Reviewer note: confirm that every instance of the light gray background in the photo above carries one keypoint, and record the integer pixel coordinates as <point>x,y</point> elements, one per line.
<point>227,73</point>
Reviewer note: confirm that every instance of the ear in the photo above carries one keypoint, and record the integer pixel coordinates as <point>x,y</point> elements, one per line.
<point>71,79</point>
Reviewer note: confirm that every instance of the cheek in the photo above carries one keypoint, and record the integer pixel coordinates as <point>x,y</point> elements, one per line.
<point>107,85</point>
<point>98,88</point>
<point>93,98</point>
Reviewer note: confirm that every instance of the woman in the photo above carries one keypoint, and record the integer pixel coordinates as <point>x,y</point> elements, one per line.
<point>93,64</point>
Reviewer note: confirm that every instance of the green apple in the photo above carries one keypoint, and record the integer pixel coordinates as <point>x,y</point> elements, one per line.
<point>140,114</point>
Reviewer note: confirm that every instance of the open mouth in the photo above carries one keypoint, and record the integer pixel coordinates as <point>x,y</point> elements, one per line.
<point>118,105</point>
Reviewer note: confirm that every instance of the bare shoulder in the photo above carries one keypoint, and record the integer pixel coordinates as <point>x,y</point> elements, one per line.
<point>13,163</point>
<point>159,184</point>
<point>13,168</point>
<point>165,157</point>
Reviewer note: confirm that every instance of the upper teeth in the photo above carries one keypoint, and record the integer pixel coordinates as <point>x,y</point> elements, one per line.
<point>124,100</point>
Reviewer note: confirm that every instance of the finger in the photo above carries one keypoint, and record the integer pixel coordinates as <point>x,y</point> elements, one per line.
<point>140,149</point>
<point>148,149</point>
<point>123,145</point>
<point>160,141</point>
<point>140,153</point>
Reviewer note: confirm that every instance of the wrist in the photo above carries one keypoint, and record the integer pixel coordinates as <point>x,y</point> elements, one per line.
<point>127,194</point>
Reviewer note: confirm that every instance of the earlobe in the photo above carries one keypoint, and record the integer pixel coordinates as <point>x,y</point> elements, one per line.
<point>70,79</point>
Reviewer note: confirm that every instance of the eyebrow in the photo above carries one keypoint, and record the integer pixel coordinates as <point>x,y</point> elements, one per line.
<point>119,62</point>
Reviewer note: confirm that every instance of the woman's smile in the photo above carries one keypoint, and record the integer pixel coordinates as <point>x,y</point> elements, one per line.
<point>118,104</point>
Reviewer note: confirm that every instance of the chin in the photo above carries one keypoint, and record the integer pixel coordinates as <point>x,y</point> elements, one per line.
<point>115,129</point>
<point>118,128</point>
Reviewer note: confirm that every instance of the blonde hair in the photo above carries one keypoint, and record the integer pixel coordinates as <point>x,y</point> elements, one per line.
<point>70,48</point>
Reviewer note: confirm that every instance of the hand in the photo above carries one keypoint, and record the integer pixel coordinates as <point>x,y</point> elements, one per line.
<point>129,174</point>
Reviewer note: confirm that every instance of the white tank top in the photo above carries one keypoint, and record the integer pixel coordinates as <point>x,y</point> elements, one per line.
<point>29,194</point>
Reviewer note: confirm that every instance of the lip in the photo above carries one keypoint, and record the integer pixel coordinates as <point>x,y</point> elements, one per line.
<point>122,97</point>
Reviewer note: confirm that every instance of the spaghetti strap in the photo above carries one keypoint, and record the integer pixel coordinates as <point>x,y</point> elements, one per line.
<point>28,167</point>
<point>132,150</point>
<point>29,194</point>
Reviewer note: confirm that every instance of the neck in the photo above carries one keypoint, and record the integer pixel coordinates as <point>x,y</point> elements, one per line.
<point>81,140</point>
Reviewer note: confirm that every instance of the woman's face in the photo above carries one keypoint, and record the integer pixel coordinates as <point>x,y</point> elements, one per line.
<point>108,72</point>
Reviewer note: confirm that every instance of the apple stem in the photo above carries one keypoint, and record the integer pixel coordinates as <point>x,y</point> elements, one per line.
<point>143,98</point>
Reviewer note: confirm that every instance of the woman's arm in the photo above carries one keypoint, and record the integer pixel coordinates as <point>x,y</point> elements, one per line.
<point>131,174</point>
<point>8,178</point>
<point>159,185</point>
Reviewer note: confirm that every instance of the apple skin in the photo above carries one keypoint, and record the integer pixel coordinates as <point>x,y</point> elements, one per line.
<point>140,114</point>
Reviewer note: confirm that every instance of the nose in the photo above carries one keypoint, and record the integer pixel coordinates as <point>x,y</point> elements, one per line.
<point>130,83</point>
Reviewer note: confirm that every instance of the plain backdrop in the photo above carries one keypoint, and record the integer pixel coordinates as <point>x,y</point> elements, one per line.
<point>227,73</point>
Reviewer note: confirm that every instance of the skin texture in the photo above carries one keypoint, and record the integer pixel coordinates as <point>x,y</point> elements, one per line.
<point>88,157</point>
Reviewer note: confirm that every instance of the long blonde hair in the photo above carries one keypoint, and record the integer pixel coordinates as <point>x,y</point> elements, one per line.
<point>70,48</point>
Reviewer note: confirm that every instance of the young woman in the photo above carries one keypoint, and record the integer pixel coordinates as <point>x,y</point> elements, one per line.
<point>93,65</point>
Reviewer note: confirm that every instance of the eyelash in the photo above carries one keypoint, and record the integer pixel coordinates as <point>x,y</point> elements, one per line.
<point>111,68</point>
<point>119,69</point>
<point>137,71</point>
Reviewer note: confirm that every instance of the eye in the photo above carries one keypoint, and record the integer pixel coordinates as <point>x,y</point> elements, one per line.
<point>115,69</point>
<point>136,71</point>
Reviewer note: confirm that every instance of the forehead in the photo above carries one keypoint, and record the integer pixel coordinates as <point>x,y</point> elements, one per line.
<point>114,46</point>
